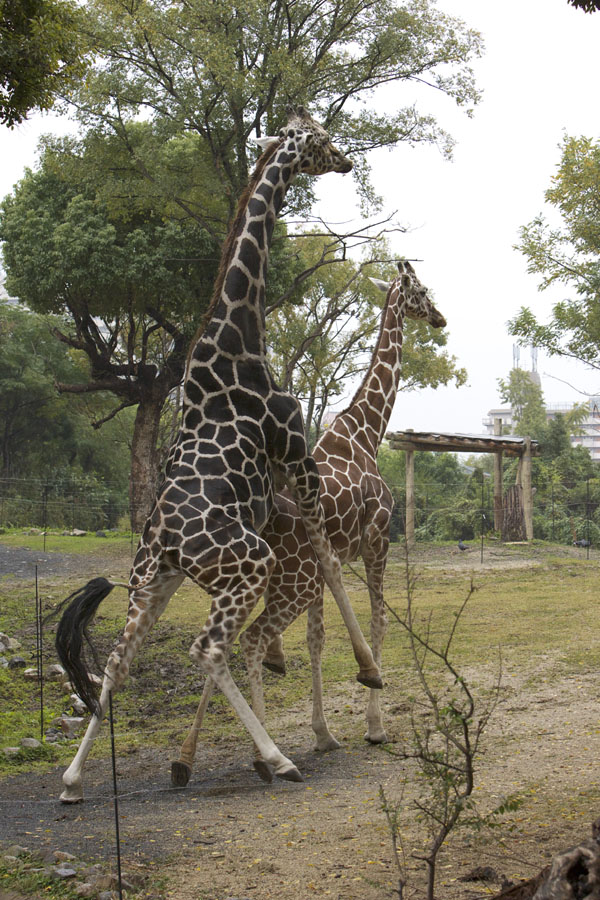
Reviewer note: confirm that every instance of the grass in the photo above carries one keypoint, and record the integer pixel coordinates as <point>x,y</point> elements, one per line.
<point>530,611</point>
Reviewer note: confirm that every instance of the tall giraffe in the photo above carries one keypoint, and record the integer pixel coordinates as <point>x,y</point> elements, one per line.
<point>358,508</point>
<point>240,433</point>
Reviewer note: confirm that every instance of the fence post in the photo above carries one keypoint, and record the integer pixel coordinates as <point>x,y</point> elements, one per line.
<point>498,482</point>
<point>410,498</point>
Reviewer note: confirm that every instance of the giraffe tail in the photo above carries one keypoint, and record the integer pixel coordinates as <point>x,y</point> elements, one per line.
<point>72,634</point>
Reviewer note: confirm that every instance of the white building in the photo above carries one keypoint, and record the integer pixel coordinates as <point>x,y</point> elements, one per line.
<point>590,426</point>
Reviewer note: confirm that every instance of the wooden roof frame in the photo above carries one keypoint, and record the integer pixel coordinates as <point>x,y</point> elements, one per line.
<point>443,442</point>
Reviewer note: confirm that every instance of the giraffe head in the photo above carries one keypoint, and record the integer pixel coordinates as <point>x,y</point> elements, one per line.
<point>413,294</point>
<point>310,143</point>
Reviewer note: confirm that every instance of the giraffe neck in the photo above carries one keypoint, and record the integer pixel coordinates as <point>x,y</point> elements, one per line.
<point>235,319</point>
<point>372,405</point>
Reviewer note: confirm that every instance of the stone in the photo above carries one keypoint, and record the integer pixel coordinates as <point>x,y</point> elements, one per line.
<point>17,850</point>
<point>30,743</point>
<point>31,674</point>
<point>11,751</point>
<point>12,644</point>
<point>100,534</point>
<point>55,672</point>
<point>71,725</point>
<point>84,889</point>
<point>17,662</point>
<point>64,871</point>
<point>79,707</point>
<point>63,856</point>
<point>3,662</point>
<point>77,532</point>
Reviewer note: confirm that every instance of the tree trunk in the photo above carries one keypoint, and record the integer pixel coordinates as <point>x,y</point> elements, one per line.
<point>145,462</point>
<point>513,525</point>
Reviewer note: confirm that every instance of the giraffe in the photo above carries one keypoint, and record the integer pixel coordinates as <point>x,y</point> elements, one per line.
<point>358,507</point>
<point>241,438</point>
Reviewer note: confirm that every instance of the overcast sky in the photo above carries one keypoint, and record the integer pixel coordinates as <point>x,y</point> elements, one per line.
<point>539,76</point>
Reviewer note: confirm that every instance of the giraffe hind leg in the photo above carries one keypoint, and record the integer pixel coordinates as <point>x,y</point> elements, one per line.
<point>145,606</point>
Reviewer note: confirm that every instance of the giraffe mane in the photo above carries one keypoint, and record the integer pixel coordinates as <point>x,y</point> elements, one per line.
<point>228,244</point>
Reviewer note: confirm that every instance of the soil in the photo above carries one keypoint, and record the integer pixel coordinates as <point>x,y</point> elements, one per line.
<point>229,836</point>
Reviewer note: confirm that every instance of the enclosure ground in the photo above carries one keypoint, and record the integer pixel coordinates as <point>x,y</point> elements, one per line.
<point>229,835</point>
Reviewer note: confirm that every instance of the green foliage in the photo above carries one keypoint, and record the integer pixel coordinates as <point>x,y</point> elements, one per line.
<point>44,436</point>
<point>567,254</point>
<point>41,54</point>
<point>228,72</point>
<point>526,401</point>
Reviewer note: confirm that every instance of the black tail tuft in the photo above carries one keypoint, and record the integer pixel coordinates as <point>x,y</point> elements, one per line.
<point>71,632</point>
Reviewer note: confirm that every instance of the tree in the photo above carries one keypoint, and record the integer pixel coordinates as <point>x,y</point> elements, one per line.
<point>526,402</point>
<point>569,254</point>
<point>41,54</point>
<point>82,240</point>
<point>321,346</point>
<point>227,72</point>
<point>586,5</point>
<point>42,435</point>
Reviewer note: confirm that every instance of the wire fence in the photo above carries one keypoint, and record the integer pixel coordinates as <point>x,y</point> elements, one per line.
<point>442,510</point>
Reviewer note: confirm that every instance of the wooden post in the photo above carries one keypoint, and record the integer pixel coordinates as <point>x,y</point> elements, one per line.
<point>498,485</point>
<point>527,488</point>
<point>410,498</point>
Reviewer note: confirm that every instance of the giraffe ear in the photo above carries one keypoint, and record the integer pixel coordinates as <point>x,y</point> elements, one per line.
<point>264,142</point>
<point>382,285</point>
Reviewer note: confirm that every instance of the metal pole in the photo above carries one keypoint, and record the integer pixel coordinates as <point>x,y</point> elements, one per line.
<point>40,664</point>
<point>115,795</point>
<point>587,517</point>
<point>482,515</point>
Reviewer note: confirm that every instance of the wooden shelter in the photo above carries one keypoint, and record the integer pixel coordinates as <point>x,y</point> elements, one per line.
<point>513,515</point>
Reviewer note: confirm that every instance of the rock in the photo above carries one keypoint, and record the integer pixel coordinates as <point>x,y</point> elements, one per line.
<point>17,662</point>
<point>64,870</point>
<point>71,725</point>
<point>481,873</point>
<point>3,662</point>
<point>17,850</point>
<point>11,751</point>
<point>79,707</point>
<point>84,889</point>
<point>100,534</point>
<point>12,644</point>
<point>55,672</point>
<point>31,674</point>
<point>63,856</point>
<point>77,532</point>
<point>30,743</point>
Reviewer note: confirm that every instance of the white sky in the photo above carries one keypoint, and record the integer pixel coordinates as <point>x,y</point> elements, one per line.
<point>539,76</point>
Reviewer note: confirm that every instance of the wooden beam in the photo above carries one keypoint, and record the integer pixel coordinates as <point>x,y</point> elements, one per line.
<point>527,490</point>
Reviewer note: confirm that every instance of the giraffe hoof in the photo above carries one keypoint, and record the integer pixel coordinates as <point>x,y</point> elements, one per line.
<point>291,774</point>
<point>72,794</point>
<point>377,737</point>
<point>325,745</point>
<point>273,666</point>
<point>180,773</point>
<point>370,679</point>
<point>263,770</point>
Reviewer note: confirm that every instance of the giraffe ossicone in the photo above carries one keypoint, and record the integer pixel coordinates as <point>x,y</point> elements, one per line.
<point>238,430</point>
<point>358,508</point>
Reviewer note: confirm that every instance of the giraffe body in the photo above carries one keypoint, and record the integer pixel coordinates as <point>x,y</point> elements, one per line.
<point>358,507</point>
<point>240,435</point>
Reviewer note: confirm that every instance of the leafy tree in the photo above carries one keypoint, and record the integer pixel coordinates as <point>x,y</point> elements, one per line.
<point>82,241</point>
<point>526,402</point>
<point>586,5</point>
<point>568,253</point>
<point>319,347</point>
<point>227,72</point>
<point>41,54</point>
<point>44,436</point>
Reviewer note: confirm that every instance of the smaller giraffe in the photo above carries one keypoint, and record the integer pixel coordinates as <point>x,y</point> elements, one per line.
<point>358,508</point>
